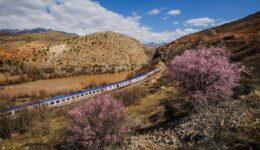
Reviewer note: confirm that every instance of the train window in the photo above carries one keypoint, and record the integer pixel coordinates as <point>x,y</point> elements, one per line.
<point>94,92</point>
<point>63,100</point>
<point>86,93</point>
<point>68,99</point>
<point>52,103</point>
<point>73,97</point>
<point>90,92</point>
<point>77,96</point>
<point>82,94</point>
<point>57,102</point>
<point>117,85</point>
<point>17,112</point>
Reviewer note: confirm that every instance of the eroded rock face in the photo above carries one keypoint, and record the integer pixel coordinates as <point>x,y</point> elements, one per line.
<point>241,37</point>
<point>61,53</point>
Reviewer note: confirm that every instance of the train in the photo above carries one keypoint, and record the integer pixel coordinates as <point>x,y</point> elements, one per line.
<point>76,96</point>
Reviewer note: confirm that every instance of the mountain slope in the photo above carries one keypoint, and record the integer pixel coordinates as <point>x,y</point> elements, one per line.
<point>241,37</point>
<point>59,54</point>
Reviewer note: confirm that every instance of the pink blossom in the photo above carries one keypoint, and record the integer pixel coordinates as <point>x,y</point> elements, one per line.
<point>98,122</point>
<point>207,72</point>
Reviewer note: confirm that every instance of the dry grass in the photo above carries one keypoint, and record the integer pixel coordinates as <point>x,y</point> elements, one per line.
<point>58,86</point>
<point>150,106</point>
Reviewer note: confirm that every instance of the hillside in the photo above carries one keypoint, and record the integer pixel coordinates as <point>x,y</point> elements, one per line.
<point>50,54</point>
<point>241,37</point>
<point>149,51</point>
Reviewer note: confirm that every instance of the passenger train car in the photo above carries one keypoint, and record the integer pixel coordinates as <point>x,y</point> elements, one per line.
<point>76,96</point>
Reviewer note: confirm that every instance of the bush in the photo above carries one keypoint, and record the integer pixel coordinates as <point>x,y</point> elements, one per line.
<point>207,72</point>
<point>23,122</point>
<point>229,125</point>
<point>131,95</point>
<point>43,93</point>
<point>20,123</point>
<point>5,127</point>
<point>97,123</point>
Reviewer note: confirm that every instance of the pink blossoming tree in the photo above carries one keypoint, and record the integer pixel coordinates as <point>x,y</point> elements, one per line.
<point>206,72</point>
<point>99,122</point>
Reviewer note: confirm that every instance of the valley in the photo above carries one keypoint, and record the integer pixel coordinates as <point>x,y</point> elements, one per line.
<point>106,75</point>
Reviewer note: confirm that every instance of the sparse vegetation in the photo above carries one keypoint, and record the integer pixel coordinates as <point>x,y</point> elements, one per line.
<point>131,95</point>
<point>21,124</point>
<point>48,55</point>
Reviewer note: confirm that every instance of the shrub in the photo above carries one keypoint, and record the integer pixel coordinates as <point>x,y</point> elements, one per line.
<point>23,121</point>
<point>5,127</point>
<point>131,95</point>
<point>207,72</point>
<point>97,123</point>
<point>43,93</point>
<point>230,125</point>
